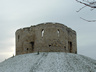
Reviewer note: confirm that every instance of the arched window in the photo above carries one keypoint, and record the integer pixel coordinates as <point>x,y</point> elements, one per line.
<point>42,32</point>
<point>58,32</point>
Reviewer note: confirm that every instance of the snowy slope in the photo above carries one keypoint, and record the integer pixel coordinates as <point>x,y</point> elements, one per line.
<point>49,62</point>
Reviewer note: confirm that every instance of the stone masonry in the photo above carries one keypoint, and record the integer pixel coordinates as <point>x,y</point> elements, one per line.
<point>46,37</point>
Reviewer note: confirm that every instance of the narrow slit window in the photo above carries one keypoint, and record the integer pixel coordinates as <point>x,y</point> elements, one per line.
<point>65,48</point>
<point>42,32</point>
<point>27,49</point>
<point>18,37</point>
<point>58,32</point>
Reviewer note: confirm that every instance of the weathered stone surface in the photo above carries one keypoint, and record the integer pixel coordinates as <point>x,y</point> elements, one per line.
<point>46,37</point>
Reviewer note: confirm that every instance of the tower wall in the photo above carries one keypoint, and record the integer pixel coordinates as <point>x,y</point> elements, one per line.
<point>47,37</point>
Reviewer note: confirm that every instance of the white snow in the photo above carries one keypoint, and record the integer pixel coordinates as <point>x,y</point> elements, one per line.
<point>48,62</point>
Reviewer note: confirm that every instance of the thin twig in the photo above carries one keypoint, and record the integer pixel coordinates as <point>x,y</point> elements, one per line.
<point>88,20</point>
<point>81,9</point>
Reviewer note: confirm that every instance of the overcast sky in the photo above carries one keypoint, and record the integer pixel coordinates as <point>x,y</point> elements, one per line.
<point>15,14</point>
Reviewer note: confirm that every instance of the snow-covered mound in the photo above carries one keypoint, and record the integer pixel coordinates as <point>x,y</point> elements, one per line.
<point>48,62</point>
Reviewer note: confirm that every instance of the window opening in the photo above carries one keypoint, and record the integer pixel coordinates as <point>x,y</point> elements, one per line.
<point>65,47</point>
<point>49,45</point>
<point>70,46</point>
<point>58,32</point>
<point>32,44</point>
<point>27,49</point>
<point>18,37</point>
<point>42,32</point>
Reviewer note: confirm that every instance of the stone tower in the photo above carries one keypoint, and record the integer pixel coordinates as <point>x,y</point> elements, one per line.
<point>46,37</point>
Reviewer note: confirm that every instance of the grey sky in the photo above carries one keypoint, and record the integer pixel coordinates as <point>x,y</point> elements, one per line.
<point>15,14</point>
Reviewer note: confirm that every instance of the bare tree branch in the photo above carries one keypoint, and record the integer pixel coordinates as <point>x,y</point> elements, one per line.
<point>81,8</point>
<point>89,4</point>
<point>88,20</point>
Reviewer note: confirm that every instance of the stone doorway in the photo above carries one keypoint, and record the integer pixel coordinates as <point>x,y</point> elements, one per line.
<point>32,44</point>
<point>70,46</point>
